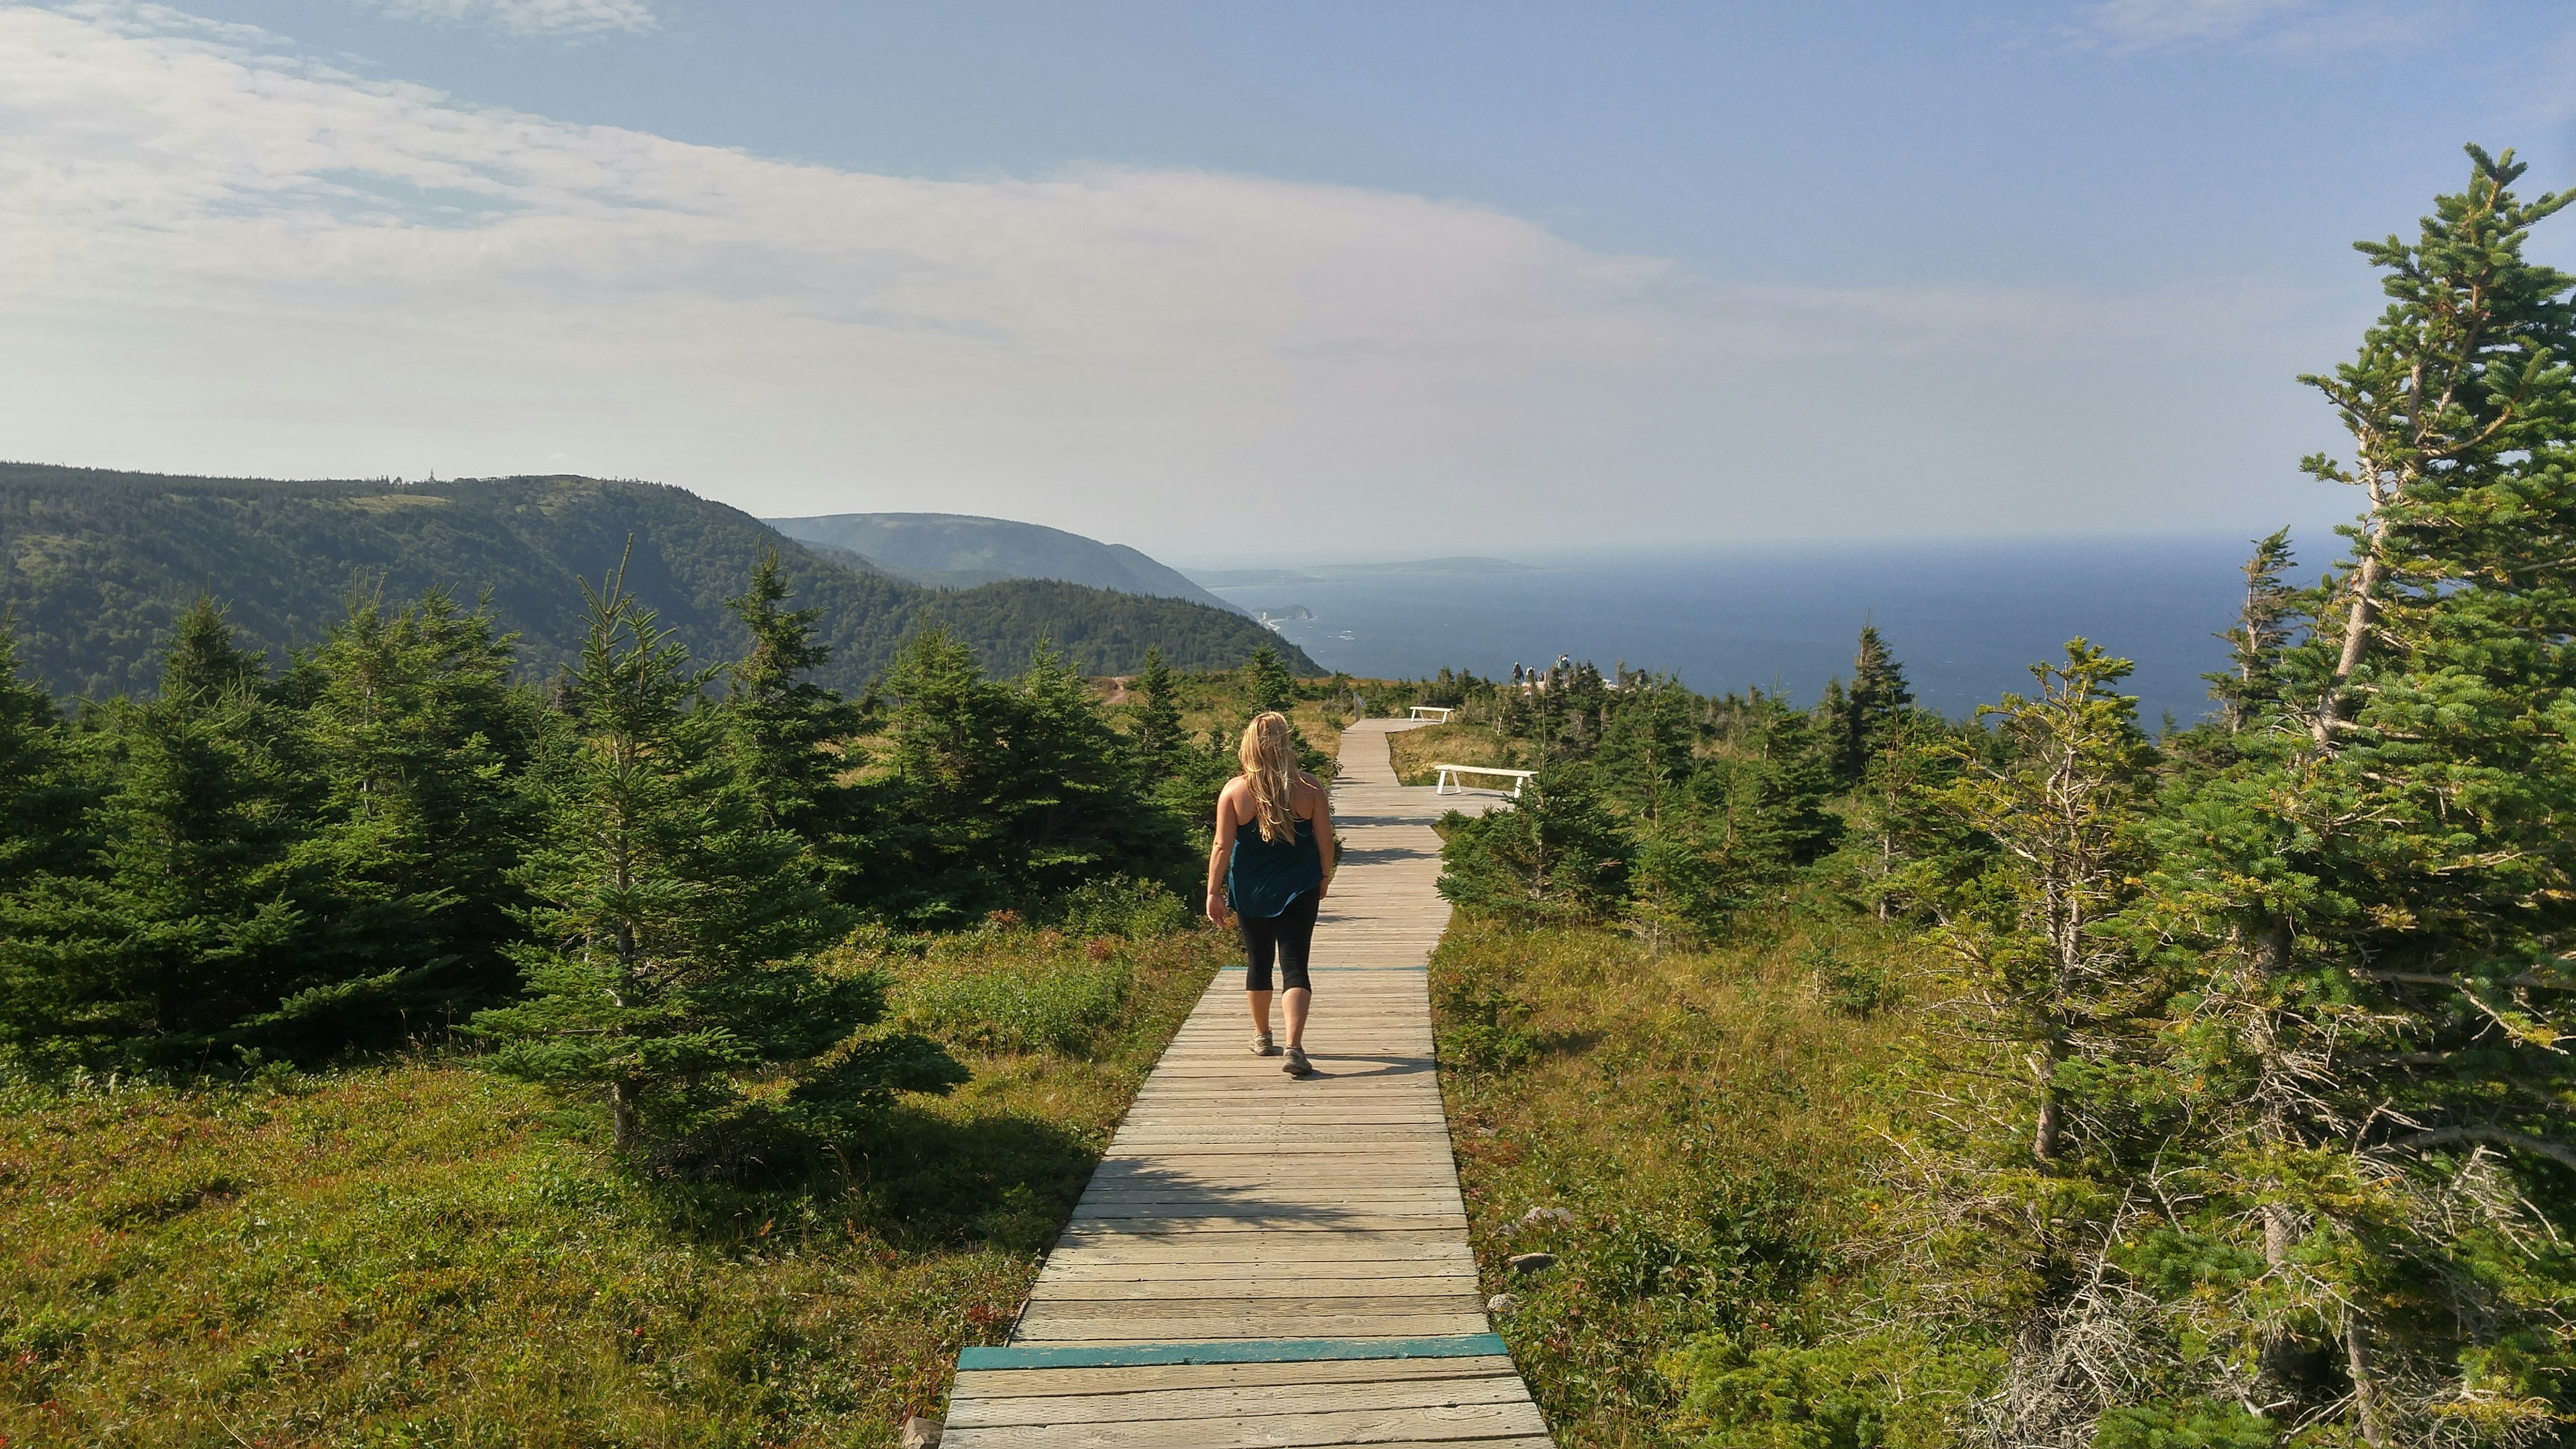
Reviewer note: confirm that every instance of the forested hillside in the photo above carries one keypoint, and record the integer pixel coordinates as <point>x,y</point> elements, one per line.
<point>956,550</point>
<point>96,566</point>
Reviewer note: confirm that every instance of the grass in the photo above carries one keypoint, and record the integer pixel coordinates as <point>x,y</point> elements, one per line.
<point>1218,700</point>
<point>418,1253</point>
<point>1703,1116</point>
<point>983,992</point>
<point>1416,751</point>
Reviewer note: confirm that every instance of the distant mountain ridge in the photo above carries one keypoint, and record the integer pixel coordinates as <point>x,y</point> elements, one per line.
<point>95,565</point>
<point>961,550</point>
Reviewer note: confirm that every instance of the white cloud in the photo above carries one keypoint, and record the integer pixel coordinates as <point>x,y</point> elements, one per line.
<point>2169,22</point>
<point>530,17</point>
<point>218,255</point>
<point>2274,26</point>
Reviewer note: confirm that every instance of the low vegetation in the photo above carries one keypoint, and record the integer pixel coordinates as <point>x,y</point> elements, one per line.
<point>421,1252</point>
<point>1688,1131</point>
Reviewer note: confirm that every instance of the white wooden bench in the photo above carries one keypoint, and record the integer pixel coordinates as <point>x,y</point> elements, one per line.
<point>1432,712</point>
<point>1448,784</point>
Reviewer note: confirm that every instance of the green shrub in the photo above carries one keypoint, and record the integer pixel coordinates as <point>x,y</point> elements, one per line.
<point>1851,988</point>
<point>1556,856</point>
<point>1886,1391</point>
<point>1121,906</point>
<point>1485,1028</point>
<point>2200,1424</point>
<point>1009,990</point>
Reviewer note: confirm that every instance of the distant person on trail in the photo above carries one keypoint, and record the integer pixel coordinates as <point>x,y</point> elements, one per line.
<point>1272,876</point>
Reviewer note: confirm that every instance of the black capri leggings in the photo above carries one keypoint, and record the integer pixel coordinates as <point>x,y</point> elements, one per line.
<point>1288,935</point>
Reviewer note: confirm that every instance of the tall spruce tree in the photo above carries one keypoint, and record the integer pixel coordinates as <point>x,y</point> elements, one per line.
<point>1793,781</point>
<point>41,799</point>
<point>2032,937</point>
<point>1158,735</point>
<point>1267,683</point>
<point>784,726</point>
<point>932,835</point>
<point>2048,1014</point>
<point>1081,808</point>
<point>418,745</point>
<point>1904,846</point>
<point>192,915</point>
<point>2381,894</point>
<point>2264,624</point>
<point>669,921</point>
<point>1860,716</point>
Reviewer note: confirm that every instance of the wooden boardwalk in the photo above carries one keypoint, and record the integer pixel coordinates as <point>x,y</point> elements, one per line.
<point>1266,1263</point>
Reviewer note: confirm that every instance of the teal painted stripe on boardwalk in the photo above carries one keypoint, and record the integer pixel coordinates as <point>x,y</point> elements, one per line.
<point>1416,970</point>
<point>1273,1350</point>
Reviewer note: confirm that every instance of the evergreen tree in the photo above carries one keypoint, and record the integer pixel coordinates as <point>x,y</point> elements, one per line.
<point>205,659</point>
<point>2054,1012</point>
<point>1903,845</point>
<point>1648,746</point>
<point>669,921</point>
<point>1555,856</point>
<point>2460,380</point>
<point>2264,623</point>
<point>1861,716</point>
<point>2379,894</point>
<point>1682,881</point>
<point>934,846</point>
<point>190,919</point>
<point>1079,805</point>
<point>1003,794</point>
<point>784,725</point>
<point>1268,684</point>
<point>40,799</point>
<point>1158,734</point>
<point>2032,935</point>
<point>416,744</point>
<point>1793,782</point>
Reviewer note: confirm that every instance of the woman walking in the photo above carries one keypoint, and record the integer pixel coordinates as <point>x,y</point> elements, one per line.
<point>1272,862</point>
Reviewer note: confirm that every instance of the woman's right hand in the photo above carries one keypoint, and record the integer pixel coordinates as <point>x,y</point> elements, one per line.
<point>1216,907</point>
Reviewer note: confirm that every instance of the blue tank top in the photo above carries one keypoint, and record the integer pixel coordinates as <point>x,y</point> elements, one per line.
<point>1263,876</point>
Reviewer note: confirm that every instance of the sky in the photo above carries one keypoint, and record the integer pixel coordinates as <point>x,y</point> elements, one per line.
<point>1250,281</point>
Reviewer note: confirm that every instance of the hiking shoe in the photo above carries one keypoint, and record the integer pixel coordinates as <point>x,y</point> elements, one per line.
<point>1297,1065</point>
<point>1263,1046</point>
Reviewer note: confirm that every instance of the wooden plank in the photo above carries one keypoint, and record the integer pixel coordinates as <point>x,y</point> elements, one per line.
<point>1302,1287</point>
<point>1243,1261</point>
<point>1244,1402</point>
<point>1044,1324</point>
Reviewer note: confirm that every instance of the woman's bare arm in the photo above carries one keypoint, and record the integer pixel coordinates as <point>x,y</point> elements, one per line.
<point>1224,847</point>
<point>1324,837</point>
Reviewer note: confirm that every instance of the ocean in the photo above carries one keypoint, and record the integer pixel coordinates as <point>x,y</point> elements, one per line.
<point>1965,620</point>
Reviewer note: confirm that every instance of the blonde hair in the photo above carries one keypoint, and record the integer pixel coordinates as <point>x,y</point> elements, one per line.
<point>1270,763</point>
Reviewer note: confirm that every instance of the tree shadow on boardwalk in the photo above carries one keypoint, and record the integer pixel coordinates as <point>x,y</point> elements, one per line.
<point>1132,1196</point>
